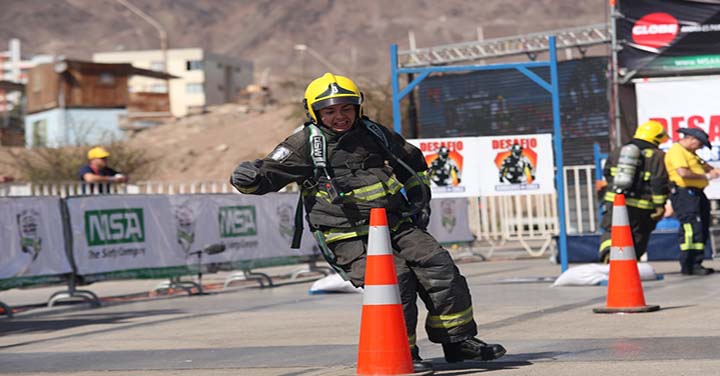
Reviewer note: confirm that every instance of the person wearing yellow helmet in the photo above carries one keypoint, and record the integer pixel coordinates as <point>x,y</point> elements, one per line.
<point>346,165</point>
<point>333,101</point>
<point>637,170</point>
<point>98,171</point>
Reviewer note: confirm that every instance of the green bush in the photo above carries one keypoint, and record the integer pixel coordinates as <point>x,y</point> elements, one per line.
<point>63,164</point>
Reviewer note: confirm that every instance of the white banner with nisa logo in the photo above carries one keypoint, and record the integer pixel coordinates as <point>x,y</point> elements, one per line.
<point>120,233</point>
<point>31,237</point>
<point>449,220</point>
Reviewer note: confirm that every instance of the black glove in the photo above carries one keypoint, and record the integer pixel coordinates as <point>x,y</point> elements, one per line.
<point>245,175</point>
<point>422,219</point>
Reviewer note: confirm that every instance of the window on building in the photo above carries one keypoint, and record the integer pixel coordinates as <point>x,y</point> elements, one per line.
<point>158,66</point>
<point>194,65</point>
<point>193,88</point>
<point>158,88</point>
<point>39,133</point>
<point>106,78</point>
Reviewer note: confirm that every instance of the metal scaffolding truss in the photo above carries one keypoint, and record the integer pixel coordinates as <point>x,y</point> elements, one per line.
<point>530,44</point>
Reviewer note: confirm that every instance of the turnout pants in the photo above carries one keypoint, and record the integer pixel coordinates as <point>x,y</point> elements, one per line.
<point>640,223</point>
<point>692,209</point>
<point>425,269</point>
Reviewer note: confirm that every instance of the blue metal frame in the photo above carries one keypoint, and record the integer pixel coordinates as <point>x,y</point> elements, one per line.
<point>599,156</point>
<point>523,68</point>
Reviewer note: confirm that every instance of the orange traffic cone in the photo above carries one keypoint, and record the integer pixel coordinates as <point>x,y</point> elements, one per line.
<point>624,293</point>
<point>383,348</point>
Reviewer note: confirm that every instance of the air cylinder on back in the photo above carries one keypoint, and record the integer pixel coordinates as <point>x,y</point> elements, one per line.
<point>627,166</point>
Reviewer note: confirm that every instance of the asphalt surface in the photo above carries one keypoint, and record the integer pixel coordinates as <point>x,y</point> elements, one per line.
<point>248,330</point>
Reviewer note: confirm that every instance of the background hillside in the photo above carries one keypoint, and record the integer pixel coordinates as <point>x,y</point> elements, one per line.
<point>352,35</point>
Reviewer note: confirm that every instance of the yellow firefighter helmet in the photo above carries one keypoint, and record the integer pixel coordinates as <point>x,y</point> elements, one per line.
<point>652,132</point>
<point>329,90</point>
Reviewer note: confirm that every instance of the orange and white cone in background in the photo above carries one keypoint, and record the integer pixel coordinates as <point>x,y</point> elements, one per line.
<point>624,293</point>
<point>383,348</point>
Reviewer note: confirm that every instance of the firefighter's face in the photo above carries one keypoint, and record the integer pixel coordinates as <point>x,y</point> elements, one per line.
<point>338,117</point>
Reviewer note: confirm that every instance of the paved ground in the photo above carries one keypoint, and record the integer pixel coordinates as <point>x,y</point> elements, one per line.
<point>246,330</point>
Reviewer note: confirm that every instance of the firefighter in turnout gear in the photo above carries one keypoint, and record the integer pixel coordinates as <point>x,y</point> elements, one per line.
<point>346,164</point>
<point>444,171</point>
<point>637,170</point>
<point>516,168</point>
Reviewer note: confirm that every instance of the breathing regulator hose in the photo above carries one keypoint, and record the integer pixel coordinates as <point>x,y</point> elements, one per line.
<point>414,209</point>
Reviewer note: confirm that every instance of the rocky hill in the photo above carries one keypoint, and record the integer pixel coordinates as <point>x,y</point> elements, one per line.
<point>353,35</point>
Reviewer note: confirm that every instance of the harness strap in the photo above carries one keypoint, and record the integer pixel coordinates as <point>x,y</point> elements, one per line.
<point>318,153</point>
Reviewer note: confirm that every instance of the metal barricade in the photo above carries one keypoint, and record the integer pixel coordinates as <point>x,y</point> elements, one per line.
<point>533,218</point>
<point>493,219</point>
<point>581,201</point>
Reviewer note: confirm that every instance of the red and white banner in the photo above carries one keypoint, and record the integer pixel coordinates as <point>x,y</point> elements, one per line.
<point>489,166</point>
<point>516,165</point>
<point>684,103</point>
<point>453,165</point>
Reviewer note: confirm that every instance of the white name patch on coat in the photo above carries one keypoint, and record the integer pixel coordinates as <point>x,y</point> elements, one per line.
<point>280,153</point>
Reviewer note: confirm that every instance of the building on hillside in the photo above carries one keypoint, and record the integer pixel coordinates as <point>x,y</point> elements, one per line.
<point>13,76</point>
<point>73,102</point>
<point>11,129</point>
<point>14,69</point>
<point>205,78</point>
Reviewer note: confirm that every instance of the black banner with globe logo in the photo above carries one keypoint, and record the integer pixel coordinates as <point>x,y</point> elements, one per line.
<point>667,37</point>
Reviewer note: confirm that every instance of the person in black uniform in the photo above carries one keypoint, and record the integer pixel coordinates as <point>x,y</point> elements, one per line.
<point>645,188</point>
<point>346,164</point>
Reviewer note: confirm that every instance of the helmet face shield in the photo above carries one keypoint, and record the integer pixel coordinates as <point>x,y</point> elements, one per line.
<point>330,90</point>
<point>319,105</point>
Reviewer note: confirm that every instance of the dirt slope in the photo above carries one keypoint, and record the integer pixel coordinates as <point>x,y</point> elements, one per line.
<point>209,146</point>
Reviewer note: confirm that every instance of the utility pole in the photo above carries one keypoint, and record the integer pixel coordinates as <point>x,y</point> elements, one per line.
<point>615,90</point>
<point>302,48</point>
<point>155,24</point>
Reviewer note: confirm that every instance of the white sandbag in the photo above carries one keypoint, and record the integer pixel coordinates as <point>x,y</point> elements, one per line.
<point>332,284</point>
<point>593,274</point>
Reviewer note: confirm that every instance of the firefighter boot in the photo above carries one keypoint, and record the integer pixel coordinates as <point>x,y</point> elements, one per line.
<point>472,348</point>
<point>419,366</point>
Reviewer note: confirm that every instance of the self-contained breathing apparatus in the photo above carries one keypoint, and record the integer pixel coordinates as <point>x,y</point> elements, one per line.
<point>627,167</point>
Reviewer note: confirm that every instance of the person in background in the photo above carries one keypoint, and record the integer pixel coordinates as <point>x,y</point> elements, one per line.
<point>6,178</point>
<point>346,164</point>
<point>689,175</point>
<point>98,171</point>
<point>636,170</point>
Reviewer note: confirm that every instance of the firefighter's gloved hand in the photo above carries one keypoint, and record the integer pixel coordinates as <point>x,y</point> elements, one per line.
<point>422,219</point>
<point>659,213</point>
<point>245,175</point>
